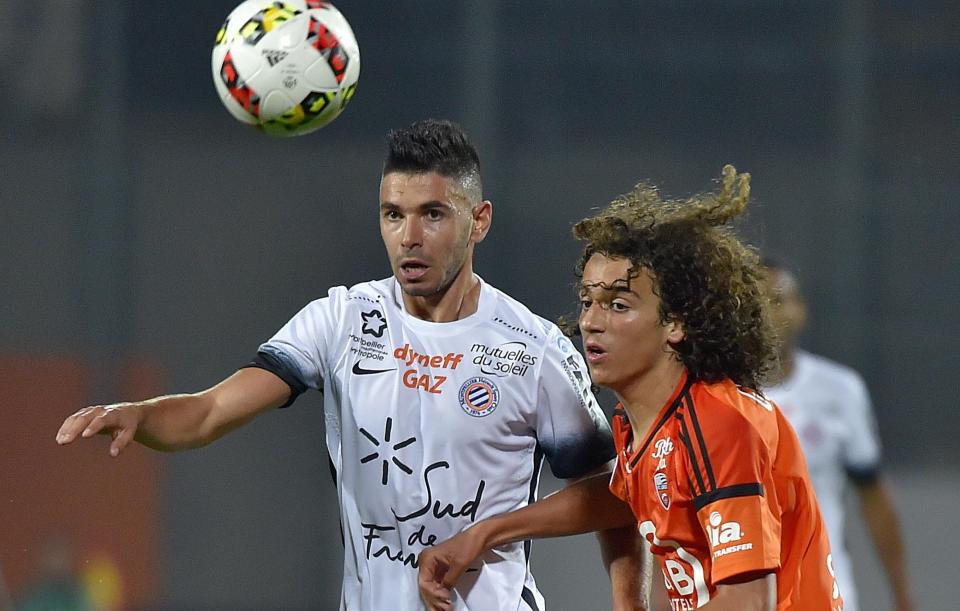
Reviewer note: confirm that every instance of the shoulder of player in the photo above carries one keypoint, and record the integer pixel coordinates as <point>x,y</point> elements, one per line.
<point>514,317</point>
<point>365,293</point>
<point>362,294</point>
<point>829,372</point>
<point>723,410</point>
<point>340,301</point>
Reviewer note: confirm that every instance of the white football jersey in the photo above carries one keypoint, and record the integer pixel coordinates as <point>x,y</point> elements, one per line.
<point>434,426</point>
<point>829,407</point>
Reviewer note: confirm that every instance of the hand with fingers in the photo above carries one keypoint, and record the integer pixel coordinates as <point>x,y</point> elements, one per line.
<point>443,564</point>
<point>119,420</point>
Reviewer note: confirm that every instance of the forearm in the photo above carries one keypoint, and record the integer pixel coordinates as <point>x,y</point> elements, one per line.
<point>176,422</point>
<point>585,506</point>
<point>754,594</point>
<point>629,563</point>
<point>884,527</point>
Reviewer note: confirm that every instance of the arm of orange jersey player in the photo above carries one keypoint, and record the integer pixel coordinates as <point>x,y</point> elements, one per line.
<point>586,506</point>
<point>626,558</point>
<point>175,422</point>
<point>630,565</point>
<point>881,519</point>
<point>750,592</point>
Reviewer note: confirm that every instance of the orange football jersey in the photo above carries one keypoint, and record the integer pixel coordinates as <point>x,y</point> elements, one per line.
<point>720,488</point>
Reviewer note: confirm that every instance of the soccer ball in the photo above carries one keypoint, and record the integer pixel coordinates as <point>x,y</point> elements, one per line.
<point>288,68</point>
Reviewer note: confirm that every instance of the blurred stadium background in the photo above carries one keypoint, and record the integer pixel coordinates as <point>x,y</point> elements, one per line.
<point>149,243</point>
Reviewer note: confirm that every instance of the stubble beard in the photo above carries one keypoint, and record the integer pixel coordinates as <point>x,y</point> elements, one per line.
<point>450,273</point>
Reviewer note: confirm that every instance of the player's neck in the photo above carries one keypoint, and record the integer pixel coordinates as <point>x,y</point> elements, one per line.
<point>646,395</point>
<point>459,300</point>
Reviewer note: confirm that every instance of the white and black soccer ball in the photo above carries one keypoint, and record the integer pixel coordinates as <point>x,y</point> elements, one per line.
<point>288,68</point>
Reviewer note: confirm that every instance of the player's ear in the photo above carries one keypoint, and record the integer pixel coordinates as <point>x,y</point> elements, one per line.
<point>675,331</point>
<point>482,218</point>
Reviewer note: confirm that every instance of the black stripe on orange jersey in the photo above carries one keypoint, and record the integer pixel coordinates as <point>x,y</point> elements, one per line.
<point>728,492</point>
<point>690,484</point>
<point>666,416</point>
<point>702,443</point>
<point>685,438</point>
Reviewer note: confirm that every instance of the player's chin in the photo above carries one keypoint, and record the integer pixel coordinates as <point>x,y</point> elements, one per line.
<point>420,287</point>
<point>602,375</point>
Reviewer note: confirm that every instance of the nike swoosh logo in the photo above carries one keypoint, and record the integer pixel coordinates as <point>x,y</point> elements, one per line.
<point>360,371</point>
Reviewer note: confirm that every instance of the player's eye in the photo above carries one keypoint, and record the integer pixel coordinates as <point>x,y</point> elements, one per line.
<point>585,304</point>
<point>619,306</point>
<point>435,214</point>
<point>391,215</point>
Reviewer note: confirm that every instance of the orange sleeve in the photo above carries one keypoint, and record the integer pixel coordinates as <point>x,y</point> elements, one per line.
<point>618,485</point>
<point>733,503</point>
<point>618,482</point>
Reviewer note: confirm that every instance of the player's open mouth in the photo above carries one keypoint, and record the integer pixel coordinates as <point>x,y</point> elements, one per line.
<point>595,352</point>
<point>413,270</point>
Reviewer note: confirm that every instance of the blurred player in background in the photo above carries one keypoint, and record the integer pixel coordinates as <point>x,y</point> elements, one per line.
<point>829,407</point>
<point>672,319</point>
<point>442,395</point>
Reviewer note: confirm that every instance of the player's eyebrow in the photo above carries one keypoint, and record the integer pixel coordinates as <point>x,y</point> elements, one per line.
<point>620,285</point>
<point>435,204</point>
<point>422,207</point>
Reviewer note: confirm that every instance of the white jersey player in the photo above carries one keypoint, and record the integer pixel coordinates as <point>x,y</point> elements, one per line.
<point>829,407</point>
<point>425,419</point>
<point>441,394</point>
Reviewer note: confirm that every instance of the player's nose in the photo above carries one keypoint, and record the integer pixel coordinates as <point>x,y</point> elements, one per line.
<point>591,319</point>
<point>412,234</point>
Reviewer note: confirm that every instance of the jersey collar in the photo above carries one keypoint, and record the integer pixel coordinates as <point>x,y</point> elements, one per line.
<point>484,311</point>
<point>669,407</point>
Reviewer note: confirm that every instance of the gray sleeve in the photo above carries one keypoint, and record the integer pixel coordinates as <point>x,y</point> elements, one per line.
<point>299,353</point>
<point>571,429</point>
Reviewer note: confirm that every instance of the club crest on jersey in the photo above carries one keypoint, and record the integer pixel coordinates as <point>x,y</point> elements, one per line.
<point>479,397</point>
<point>662,448</point>
<point>661,485</point>
<point>373,323</point>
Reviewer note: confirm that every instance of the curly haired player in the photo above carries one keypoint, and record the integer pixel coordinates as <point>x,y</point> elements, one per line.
<point>673,321</point>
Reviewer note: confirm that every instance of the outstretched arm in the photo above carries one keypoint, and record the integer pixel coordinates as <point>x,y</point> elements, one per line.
<point>881,518</point>
<point>585,506</point>
<point>176,422</point>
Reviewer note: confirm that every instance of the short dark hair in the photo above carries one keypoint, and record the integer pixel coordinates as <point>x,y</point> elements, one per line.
<point>704,276</point>
<point>431,145</point>
<point>773,265</point>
